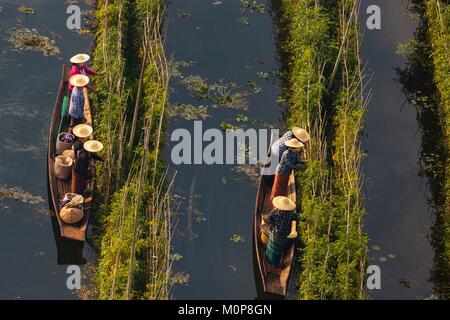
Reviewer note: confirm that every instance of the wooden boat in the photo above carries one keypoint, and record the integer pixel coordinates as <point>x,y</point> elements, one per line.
<point>58,188</point>
<point>273,279</point>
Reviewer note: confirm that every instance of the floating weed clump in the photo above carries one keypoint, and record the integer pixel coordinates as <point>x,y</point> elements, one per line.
<point>199,216</point>
<point>253,6</point>
<point>244,20</point>
<point>237,238</point>
<point>26,10</point>
<point>226,126</point>
<point>184,14</point>
<point>196,86</point>
<point>181,278</point>
<point>177,65</point>
<point>188,111</point>
<point>30,39</point>
<point>17,193</point>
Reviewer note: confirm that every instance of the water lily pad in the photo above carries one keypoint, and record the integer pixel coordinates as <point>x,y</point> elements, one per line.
<point>391,256</point>
<point>376,248</point>
<point>382,259</point>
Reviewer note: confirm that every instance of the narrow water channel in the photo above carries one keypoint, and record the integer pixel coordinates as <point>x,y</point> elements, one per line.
<point>215,43</point>
<point>398,219</point>
<point>28,87</point>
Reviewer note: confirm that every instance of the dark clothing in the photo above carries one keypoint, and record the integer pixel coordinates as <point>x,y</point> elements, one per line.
<point>75,121</point>
<point>280,221</point>
<point>278,147</point>
<point>82,159</point>
<point>289,161</point>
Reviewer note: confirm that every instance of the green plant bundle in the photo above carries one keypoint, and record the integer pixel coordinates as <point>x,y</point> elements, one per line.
<point>438,15</point>
<point>134,207</point>
<point>312,36</point>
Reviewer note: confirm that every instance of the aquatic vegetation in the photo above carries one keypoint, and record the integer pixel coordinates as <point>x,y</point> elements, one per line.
<point>30,39</point>
<point>197,86</point>
<point>254,86</point>
<point>244,21</point>
<point>175,67</point>
<point>253,6</point>
<point>237,238</point>
<point>228,126</point>
<point>182,278</point>
<point>242,118</point>
<point>184,14</point>
<point>17,193</point>
<point>199,216</point>
<point>26,10</point>
<point>405,282</point>
<point>188,111</point>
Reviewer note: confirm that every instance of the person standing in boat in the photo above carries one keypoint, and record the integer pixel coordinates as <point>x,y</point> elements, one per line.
<point>76,106</point>
<point>83,154</point>
<point>79,67</point>
<point>290,160</point>
<point>278,147</point>
<point>283,221</point>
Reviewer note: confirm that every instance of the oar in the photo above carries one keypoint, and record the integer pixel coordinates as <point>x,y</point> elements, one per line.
<point>64,108</point>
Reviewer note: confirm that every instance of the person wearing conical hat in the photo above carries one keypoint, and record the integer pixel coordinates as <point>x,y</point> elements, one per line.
<point>290,160</point>
<point>283,221</point>
<point>76,106</point>
<point>79,66</point>
<point>84,152</point>
<point>278,147</point>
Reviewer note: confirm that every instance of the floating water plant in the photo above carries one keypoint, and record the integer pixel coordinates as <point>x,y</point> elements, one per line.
<point>30,39</point>
<point>26,10</point>
<point>237,238</point>
<point>189,111</point>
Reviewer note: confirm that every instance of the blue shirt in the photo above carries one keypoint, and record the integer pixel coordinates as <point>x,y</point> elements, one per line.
<point>289,161</point>
<point>278,147</point>
<point>76,107</point>
<point>280,221</point>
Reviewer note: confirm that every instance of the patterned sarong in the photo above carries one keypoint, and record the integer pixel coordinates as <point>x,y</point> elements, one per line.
<point>275,248</point>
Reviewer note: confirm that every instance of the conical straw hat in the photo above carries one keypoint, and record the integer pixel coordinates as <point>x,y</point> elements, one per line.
<point>82,130</point>
<point>283,203</point>
<point>301,134</point>
<point>79,80</point>
<point>79,58</point>
<point>93,146</point>
<point>294,143</point>
<point>71,215</point>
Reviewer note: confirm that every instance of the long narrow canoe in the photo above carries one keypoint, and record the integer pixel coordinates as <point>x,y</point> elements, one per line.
<point>58,188</point>
<point>273,279</point>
